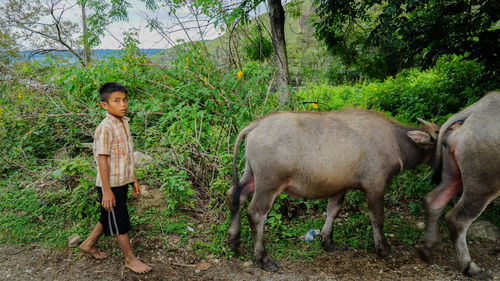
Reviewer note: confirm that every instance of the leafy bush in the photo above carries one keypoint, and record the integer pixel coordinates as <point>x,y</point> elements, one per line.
<point>432,94</point>
<point>186,115</point>
<point>258,47</point>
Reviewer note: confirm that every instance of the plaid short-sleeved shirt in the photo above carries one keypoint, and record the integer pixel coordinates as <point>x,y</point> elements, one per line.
<point>112,137</point>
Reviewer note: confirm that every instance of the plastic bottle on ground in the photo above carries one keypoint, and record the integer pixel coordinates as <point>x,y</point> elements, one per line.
<point>311,234</point>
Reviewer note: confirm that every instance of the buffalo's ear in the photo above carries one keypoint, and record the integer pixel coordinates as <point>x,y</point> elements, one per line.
<point>420,137</point>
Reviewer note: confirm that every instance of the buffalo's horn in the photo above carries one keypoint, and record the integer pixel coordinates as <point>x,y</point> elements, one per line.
<point>424,122</point>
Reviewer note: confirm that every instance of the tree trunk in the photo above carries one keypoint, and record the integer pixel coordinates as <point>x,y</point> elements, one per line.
<point>277,20</point>
<point>86,49</point>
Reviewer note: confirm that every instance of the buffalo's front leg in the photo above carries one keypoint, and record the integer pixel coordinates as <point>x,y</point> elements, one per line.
<point>333,209</point>
<point>375,202</point>
<point>257,211</point>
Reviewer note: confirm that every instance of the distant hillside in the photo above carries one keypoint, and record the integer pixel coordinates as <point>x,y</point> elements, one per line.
<point>297,29</point>
<point>302,47</point>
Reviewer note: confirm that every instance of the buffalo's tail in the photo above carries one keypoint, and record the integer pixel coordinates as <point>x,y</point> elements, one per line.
<point>437,166</point>
<point>236,181</point>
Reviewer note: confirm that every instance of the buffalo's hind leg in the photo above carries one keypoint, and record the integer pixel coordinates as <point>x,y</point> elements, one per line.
<point>333,209</point>
<point>247,188</point>
<point>458,220</point>
<point>436,201</point>
<point>257,212</point>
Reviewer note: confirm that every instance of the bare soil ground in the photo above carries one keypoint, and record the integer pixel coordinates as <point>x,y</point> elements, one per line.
<point>33,263</point>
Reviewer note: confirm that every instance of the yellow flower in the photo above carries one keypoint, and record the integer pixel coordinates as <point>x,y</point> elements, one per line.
<point>375,89</point>
<point>20,95</point>
<point>43,99</point>
<point>187,59</point>
<point>454,58</point>
<point>43,114</point>
<point>376,98</point>
<point>124,67</point>
<point>390,78</point>
<point>165,77</point>
<point>73,77</point>
<point>29,133</point>
<point>314,105</point>
<point>206,80</point>
<point>240,73</point>
<point>397,74</point>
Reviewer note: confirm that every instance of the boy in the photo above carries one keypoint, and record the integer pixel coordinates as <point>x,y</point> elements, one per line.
<point>113,153</point>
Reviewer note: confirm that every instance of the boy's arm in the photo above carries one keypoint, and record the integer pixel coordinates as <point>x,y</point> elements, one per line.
<point>108,198</point>
<point>136,188</point>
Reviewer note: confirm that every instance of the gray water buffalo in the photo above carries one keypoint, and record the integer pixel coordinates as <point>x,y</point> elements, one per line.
<point>321,155</point>
<point>468,155</point>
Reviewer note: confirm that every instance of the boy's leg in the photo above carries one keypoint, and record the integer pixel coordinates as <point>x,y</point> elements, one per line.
<point>131,261</point>
<point>89,244</point>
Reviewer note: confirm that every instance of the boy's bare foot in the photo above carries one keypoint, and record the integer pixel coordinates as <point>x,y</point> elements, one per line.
<point>137,266</point>
<point>93,251</point>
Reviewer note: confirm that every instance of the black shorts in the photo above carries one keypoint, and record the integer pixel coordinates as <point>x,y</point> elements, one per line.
<point>117,221</point>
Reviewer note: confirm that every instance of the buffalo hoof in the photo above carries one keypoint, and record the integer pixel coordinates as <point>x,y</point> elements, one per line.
<point>268,264</point>
<point>234,243</point>
<point>476,272</point>
<point>424,253</point>
<point>385,253</point>
<point>327,245</point>
<point>480,276</point>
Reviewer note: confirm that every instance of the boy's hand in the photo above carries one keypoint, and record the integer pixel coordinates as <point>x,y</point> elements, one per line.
<point>108,200</point>
<point>136,190</point>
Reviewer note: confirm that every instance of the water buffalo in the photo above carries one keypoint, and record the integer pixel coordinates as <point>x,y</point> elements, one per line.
<point>468,155</point>
<point>320,155</point>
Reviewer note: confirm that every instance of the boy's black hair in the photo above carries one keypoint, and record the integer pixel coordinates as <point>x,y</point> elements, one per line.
<point>110,87</point>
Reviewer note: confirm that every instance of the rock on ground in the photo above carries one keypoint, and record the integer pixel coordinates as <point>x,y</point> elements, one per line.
<point>484,230</point>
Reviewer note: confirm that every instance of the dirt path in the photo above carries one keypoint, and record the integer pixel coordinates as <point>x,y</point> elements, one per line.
<point>44,264</point>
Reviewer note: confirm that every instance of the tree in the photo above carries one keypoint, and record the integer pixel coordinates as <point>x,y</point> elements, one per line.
<point>41,25</point>
<point>8,49</point>
<point>416,31</point>
<point>229,12</point>
<point>45,25</point>
<point>277,20</point>
<point>96,16</point>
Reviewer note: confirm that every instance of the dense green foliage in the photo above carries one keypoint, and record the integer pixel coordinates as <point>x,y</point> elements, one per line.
<point>433,94</point>
<point>258,47</point>
<point>8,48</point>
<point>186,115</point>
<point>377,38</point>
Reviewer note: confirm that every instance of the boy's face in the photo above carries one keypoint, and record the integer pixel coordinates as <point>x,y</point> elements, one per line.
<point>117,104</point>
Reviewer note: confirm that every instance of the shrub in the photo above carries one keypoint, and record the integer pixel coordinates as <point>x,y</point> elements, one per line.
<point>258,47</point>
<point>435,93</point>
